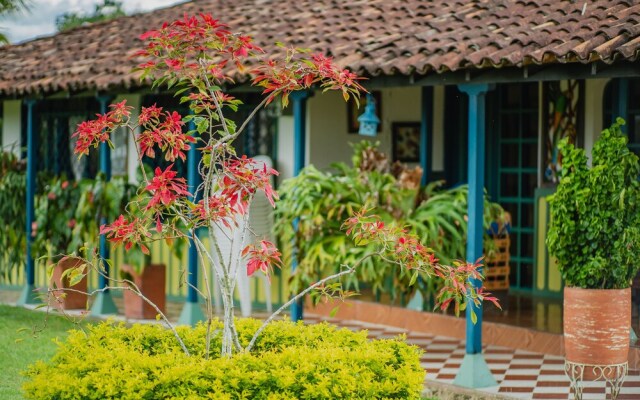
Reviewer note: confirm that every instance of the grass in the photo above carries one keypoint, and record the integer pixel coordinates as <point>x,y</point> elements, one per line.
<point>25,337</point>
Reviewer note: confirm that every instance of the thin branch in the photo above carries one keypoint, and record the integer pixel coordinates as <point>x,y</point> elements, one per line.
<point>253,113</point>
<point>215,100</point>
<point>200,293</point>
<point>102,271</point>
<point>293,300</point>
<point>347,271</point>
<point>208,299</point>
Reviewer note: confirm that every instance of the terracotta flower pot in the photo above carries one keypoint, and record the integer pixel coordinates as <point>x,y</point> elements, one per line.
<point>71,299</point>
<point>596,325</point>
<point>151,283</point>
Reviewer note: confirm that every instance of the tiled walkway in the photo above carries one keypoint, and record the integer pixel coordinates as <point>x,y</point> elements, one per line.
<point>520,374</point>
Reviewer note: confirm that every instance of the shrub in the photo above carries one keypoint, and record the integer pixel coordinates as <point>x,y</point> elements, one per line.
<point>595,214</point>
<point>288,362</point>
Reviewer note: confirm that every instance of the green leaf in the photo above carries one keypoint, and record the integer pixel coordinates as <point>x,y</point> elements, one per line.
<point>414,277</point>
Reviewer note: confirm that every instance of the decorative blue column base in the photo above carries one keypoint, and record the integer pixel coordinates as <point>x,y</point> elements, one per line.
<point>296,310</point>
<point>103,305</point>
<point>417,302</point>
<point>191,314</point>
<point>474,373</point>
<point>28,296</point>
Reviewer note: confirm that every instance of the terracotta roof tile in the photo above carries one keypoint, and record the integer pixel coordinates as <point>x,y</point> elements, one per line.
<point>372,37</point>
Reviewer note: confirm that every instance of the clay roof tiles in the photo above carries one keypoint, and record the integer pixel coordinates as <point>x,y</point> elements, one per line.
<point>372,37</point>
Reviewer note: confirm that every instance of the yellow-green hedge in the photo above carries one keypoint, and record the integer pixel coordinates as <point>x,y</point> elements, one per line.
<point>289,362</point>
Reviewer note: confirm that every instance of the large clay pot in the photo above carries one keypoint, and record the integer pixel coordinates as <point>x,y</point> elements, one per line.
<point>71,299</point>
<point>151,283</point>
<point>596,325</point>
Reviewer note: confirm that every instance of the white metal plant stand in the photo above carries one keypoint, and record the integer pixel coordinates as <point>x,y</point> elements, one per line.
<point>613,376</point>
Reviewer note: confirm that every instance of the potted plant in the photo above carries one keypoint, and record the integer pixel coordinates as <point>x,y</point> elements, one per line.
<point>67,215</point>
<point>55,234</point>
<point>149,278</point>
<point>595,235</point>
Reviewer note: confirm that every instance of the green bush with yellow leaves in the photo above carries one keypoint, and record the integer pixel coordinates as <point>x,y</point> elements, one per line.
<point>289,361</point>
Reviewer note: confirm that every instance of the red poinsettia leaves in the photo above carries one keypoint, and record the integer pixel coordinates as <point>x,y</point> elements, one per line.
<point>165,187</point>
<point>262,257</point>
<point>122,231</point>
<point>92,133</point>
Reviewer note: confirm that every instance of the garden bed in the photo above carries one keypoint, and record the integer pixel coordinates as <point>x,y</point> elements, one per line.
<point>288,361</point>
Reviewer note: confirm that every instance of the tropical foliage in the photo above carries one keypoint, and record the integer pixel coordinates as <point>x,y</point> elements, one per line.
<point>11,6</point>
<point>68,213</point>
<point>12,214</point>
<point>595,214</point>
<point>108,9</point>
<point>314,204</point>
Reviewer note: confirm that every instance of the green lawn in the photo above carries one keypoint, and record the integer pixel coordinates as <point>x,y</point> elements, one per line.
<point>25,337</point>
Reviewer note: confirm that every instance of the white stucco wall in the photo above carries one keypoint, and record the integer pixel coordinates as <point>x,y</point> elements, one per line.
<point>327,136</point>
<point>328,139</point>
<point>593,124</point>
<point>133,100</point>
<point>11,121</point>
<point>285,147</point>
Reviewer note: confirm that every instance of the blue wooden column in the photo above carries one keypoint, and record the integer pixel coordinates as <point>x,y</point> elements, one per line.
<point>426,132</point>
<point>474,372</point>
<point>299,100</point>
<point>191,312</point>
<point>620,109</point>
<point>103,303</point>
<point>28,296</point>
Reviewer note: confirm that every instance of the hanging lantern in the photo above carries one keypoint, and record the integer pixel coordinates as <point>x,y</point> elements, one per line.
<point>369,121</point>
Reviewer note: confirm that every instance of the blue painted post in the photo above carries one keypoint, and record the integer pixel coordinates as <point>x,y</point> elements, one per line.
<point>191,312</point>
<point>28,296</point>
<point>426,116</point>
<point>103,304</point>
<point>474,372</point>
<point>620,107</point>
<point>299,100</point>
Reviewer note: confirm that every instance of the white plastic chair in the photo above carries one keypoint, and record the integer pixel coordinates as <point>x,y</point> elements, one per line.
<point>261,224</point>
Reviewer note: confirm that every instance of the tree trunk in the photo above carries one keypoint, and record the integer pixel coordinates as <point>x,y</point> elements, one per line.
<point>228,331</point>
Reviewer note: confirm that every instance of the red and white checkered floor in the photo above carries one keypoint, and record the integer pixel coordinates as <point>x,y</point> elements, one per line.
<point>520,374</point>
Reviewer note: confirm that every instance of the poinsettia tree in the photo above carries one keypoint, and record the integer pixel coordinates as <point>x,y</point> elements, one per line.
<point>196,56</point>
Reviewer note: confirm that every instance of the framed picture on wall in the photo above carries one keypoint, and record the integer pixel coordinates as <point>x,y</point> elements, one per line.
<point>353,112</point>
<point>405,141</point>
